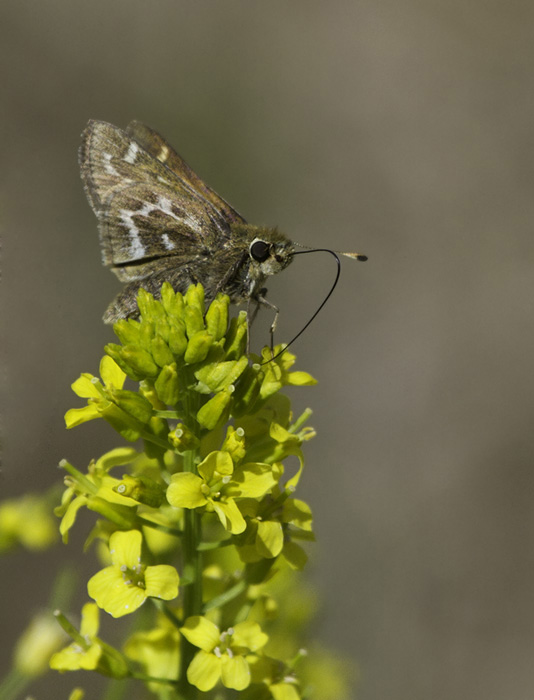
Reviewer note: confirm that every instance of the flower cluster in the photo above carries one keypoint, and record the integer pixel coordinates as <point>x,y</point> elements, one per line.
<point>203,517</point>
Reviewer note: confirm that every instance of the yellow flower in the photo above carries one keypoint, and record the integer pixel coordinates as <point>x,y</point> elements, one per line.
<point>88,652</point>
<point>125,585</point>
<point>222,655</point>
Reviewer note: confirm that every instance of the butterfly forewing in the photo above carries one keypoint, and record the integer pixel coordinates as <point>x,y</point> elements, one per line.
<point>158,147</point>
<point>145,209</point>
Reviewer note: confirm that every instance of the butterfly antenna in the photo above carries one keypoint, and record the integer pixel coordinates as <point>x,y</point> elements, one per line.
<point>334,253</point>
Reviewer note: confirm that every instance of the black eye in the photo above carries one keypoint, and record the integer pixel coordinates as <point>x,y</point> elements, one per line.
<point>259,250</point>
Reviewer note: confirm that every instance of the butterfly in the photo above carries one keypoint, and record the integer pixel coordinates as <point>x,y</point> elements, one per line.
<point>158,221</point>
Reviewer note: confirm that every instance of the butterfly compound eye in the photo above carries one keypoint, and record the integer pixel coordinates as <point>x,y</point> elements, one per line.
<point>259,250</point>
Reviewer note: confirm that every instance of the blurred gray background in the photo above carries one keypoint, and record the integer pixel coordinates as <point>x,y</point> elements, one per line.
<point>404,130</point>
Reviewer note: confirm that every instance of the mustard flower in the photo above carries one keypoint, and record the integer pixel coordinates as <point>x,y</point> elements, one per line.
<point>125,585</point>
<point>218,484</point>
<point>89,387</point>
<point>88,652</point>
<point>223,655</point>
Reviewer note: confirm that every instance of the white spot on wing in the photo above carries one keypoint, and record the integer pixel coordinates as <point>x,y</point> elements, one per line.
<point>169,245</point>
<point>109,169</point>
<point>130,156</point>
<point>164,204</point>
<point>162,155</point>
<point>137,249</point>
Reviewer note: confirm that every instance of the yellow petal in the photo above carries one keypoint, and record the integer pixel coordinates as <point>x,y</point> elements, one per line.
<point>201,632</point>
<point>230,516</point>
<point>125,548</point>
<point>90,620</point>
<point>235,672</point>
<point>85,386</point>
<point>269,538</point>
<point>113,594</point>
<point>161,581</point>
<point>204,671</point>
<point>249,634</point>
<point>185,491</point>
<point>112,375</point>
<point>77,416</point>
<point>217,461</point>
<point>284,691</point>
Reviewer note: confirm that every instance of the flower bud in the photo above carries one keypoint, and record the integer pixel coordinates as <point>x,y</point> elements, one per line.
<point>217,316</point>
<point>236,338</point>
<point>133,404</point>
<point>215,409</point>
<point>198,347</point>
<point>127,331</point>
<point>194,297</point>
<point>183,439</point>
<point>177,338</point>
<point>139,360</point>
<point>141,489</point>
<point>167,385</point>
<point>160,352</point>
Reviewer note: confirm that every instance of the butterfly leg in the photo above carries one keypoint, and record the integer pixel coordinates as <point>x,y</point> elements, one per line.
<point>263,301</point>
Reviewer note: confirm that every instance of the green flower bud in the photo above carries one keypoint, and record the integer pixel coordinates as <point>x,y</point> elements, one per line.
<point>127,331</point>
<point>122,422</point>
<point>183,439</point>
<point>217,316</point>
<point>163,329</point>
<point>146,334</point>
<point>173,302</point>
<point>141,489</point>
<point>160,352</point>
<point>198,347</point>
<point>148,390</point>
<point>116,353</point>
<point>167,385</point>
<point>215,409</point>
<point>247,391</point>
<point>148,306</point>
<point>194,297</point>
<point>272,380</point>
<point>194,320</point>
<point>133,404</point>
<point>219,375</point>
<point>177,339</point>
<point>236,338</point>
<point>139,360</point>
<point>234,443</point>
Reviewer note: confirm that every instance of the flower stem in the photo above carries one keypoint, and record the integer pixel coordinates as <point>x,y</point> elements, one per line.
<point>192,573</point>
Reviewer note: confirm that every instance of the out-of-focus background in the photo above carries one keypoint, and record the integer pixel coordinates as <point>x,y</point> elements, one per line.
<point>404,130</point>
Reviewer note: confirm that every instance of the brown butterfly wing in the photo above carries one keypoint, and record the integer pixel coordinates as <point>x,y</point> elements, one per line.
<point>158,147</point>
<point>146,211</point>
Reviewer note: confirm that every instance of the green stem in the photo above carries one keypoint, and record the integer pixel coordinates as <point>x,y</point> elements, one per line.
<point>226,597</point>
<point>192,559</point>
<point>13,685</point>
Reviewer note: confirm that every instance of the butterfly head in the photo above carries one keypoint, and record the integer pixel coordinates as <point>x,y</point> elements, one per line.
<point>270,251</point>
